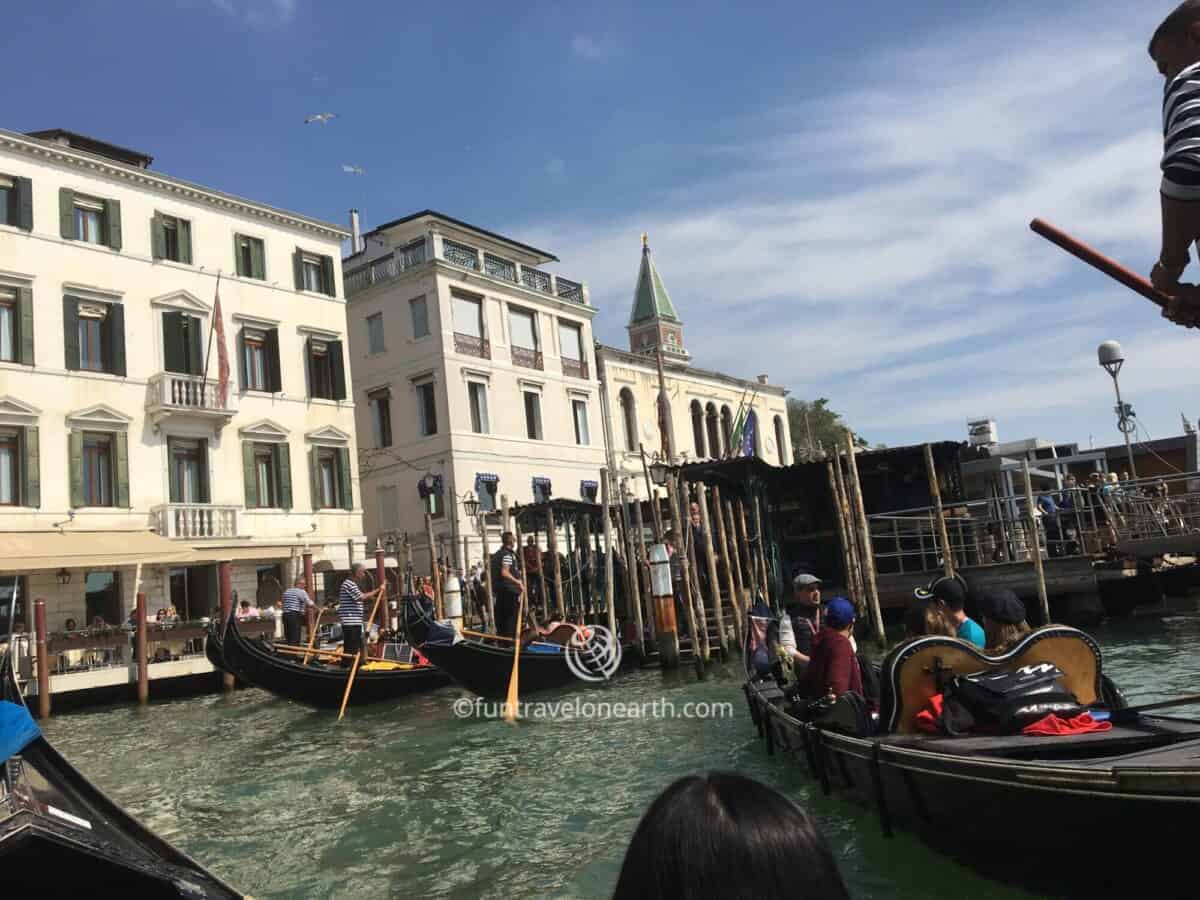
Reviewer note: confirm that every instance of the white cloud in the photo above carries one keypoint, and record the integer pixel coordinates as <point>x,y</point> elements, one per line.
<point>884,230</point>
<point>590,47</point>
<point>259,13</point>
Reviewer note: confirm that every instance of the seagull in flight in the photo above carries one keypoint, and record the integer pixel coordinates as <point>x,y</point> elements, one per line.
<point>353,170</point>
<point>323,118</point>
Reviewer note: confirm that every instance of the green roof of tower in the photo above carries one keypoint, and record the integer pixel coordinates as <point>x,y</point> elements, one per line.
<point>650,298</point>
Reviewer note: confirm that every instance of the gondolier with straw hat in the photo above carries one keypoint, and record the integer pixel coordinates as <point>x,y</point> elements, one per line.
<point>350,610</point>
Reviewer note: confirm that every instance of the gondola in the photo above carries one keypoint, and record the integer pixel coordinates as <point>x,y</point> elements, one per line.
<point>61,837</point>
<point>1033,809</point>
<point>317,684</point>
<point>484,665</point>
<point>212,646</point>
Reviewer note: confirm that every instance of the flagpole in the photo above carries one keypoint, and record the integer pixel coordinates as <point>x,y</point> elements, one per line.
<point>212,326</point>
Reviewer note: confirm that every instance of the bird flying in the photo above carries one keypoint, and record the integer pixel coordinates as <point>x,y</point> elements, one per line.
<point>323,118</point>
<point>353,170</point>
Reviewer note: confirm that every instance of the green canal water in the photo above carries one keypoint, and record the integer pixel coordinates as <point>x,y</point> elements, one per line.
<point>411,800</point>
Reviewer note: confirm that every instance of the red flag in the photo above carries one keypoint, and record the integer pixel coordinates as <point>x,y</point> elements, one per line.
<point>222,354</point>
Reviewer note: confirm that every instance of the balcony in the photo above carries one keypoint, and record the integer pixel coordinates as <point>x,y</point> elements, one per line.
<point>196,521</point>
<point>171,395</point>
<point>384,269</point>
<point>472,346</point>
<point>530,359</point>
<point>575,367</point>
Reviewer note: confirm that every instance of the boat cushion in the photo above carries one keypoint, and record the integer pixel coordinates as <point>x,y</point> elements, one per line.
<point>17,729</point>
<point>914,671</point>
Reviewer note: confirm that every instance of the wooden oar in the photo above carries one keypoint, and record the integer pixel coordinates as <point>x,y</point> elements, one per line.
<point>312,637</point>
<point>379,592</point>
<point>1132,712</point>
<point>510,703</point>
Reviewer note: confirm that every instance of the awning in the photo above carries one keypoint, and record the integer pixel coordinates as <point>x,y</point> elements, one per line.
<point>201,553</point>
<point>32,551</point>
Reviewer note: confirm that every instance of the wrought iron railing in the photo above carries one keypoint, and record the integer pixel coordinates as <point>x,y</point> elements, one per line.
<point>576,368</point>
<point>472,346</point>
<point>460,254</point>
<point>530,359</point>
<point>411,254</point>
<point>499,268</point>
<point>535,279</point>
<point>569,290</point>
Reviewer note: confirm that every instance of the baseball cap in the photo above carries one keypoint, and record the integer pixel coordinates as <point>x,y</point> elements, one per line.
<point>839,612</point>
<point>805,580</point>
<point>1004,606</point>
<point>949,590</point>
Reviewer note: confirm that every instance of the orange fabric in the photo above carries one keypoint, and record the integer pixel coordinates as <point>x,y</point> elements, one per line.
<point>929,717</point>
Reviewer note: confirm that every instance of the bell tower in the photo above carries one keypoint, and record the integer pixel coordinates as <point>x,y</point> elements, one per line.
<point>654,325</point>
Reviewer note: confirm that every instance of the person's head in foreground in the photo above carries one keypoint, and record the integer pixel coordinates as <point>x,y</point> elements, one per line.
<point>1175,44</point>
<point>723,835</point>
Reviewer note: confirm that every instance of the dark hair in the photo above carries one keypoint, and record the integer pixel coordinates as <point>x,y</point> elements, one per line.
<point>1179,21</point>
<point>914,620</point>
<point>723,835</point>
<point>507,537</point>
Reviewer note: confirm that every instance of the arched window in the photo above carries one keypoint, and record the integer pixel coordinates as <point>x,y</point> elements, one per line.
<point>726,430</point>
<point>666,425</point>
<point>781,440</point>
<point>629,420</point>
<point>714,430</point>
<point>698,428</point>
<point>750,439</point>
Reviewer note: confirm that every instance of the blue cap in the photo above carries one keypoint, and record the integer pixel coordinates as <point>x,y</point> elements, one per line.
<point>839,612</point>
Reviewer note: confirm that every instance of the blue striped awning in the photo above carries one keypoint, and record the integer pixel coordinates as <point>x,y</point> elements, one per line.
<point>486,478</point>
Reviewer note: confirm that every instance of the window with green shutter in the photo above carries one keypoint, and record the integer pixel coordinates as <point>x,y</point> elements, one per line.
<point>16,202</point>
<point>171,238</point>
<point>32,468</point>
<point>20,467</point>
<point>92,220</point>
<point>250,257</point>
<point>283,466</point>
<point>345,494</point>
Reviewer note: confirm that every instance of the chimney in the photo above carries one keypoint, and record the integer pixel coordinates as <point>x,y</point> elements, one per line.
<point>763,379</point>
<point>356,241</point>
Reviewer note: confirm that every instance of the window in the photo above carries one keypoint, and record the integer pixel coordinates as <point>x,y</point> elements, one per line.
<point>267,473</point>
<point>331,478</point>
<point>469,337</point>
<point>427,408</point>
<point>327,469</point>
<point>311,274</point>
<point>8,325</point>
<point>10,468</point>
<point>94,336</point>
<point>20,478</point>
<point>188,470</point>
<point>477,398</point>
<point>103,593</point>
<point>388,499</point>
<point>381,414</point>
<point>171,238</point>
<point>486,488</point>
<point>714,430</point>
<point>533,415</point>
<point>16,202</point>
<point>698,428</point>
<point>183,337</point>
<point>726,430</point>
<point>89,219</point>
<point>326,374</point>
<point>629,420</point>
<point>97,470</point>
<point>587,490</point>
<point>433,505</point>
<point>314,272</point>
<point>420,317</point>
<point>570,339</point>
<point>526,344</point>
<point>579,413</point>
<point>10,603</point>
<point>375,342</point>
<point>7,196</point>
<point>249,257</point>
<point>254,360</point>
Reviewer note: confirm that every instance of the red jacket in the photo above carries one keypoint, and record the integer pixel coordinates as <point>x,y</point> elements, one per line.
<point>833,667</point>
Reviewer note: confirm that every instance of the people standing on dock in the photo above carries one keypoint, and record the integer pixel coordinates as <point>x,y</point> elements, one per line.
<point>350,610</point>
<point>296,603</point>
<point>506,584</point>
<point>675,561</point>
<point>724,835</point>
<point>531,557</point>
<point>1175,49</point>
<point>699,547</point>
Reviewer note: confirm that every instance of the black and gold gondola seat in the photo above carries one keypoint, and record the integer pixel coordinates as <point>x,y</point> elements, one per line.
<point>915,671</point>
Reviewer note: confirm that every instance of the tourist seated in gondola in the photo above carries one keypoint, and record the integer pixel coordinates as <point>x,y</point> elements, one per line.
<point>833,668</point>
<point>949,596</point>
<point>791,636</point>
<point>724,835</point>
<point>1003,621</point>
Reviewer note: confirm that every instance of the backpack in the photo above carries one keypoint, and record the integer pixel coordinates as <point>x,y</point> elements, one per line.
<point>1005,702</point>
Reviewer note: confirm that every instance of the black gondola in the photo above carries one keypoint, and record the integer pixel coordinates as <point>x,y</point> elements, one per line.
<point>1026,808</point>
<point>484,665</point>
<point>257,663</point>
<point>60,836</point>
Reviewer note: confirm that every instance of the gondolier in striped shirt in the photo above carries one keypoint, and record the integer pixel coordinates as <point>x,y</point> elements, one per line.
<point>1175,48</point>
<point>296,603</point>
<point>350,610</point>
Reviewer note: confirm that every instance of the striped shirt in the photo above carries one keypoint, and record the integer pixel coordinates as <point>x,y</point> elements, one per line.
<point>350,605</point>
<point>296,600</point>
<point>1181,135</point>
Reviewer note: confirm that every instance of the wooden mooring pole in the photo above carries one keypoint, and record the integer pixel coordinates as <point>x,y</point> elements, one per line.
<point>43,657</point>
<point>848,562</point>
<point>935,490</point>
<point>1034,545</point>
<point>610,603</point>
<point>864,542</point>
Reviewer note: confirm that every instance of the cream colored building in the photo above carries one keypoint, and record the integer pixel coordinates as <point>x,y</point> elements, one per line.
<point>702,408</point>
<point>114,446</point>
<point>474,364</point>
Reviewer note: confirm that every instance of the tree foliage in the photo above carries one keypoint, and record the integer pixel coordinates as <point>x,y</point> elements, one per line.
<point>815,429</point>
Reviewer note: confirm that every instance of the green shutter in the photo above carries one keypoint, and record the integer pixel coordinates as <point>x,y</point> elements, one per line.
<point>121,440</point>
<point>183,228</point>
<point>174,342</point>
<point>25,325</point>
<point>115,326</point>
<point>283,465</point>
<point>337,370</point>
<point>23,188</point>
<point>158,237</point>
<point>248,475</point>
<point>75,460</point>
<point>66,213</point>
<point>239,347</point>
<point>298,268</point>
<point>314,479</point>
<point>274,376</point>
<point>32,496</point>
<point>112,222</point>
<point>71,333</point>
<point>195,349</point>
<point>344,477</point>
<point>174,489</point>
<point>205,496</point>
<point>327,276</point>
<point>237,255</point>
<point>258,260</point>
<point>309,367</point>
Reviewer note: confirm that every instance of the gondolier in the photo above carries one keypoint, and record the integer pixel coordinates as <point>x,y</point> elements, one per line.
<point>350,611</point>
<point>506,582</point>
<point>296,603</point>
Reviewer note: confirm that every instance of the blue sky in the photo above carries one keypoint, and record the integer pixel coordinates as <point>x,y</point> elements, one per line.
<point>836,197</point>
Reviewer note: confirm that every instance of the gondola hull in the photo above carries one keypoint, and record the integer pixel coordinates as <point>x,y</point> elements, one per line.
<point>1015,807</point>
<point>60,836</point>
<point>319,685</point>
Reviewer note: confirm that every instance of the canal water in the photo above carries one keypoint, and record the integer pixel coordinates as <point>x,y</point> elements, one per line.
<point>412,800</point>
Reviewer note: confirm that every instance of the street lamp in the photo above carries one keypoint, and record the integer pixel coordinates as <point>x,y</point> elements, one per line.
<point>1111,360</point>
<point>390,546</point>
<point>659,469</point>
<point>470,504</point>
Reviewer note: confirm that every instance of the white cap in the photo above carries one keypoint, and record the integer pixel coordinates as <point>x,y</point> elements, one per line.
<point>804,579</point>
